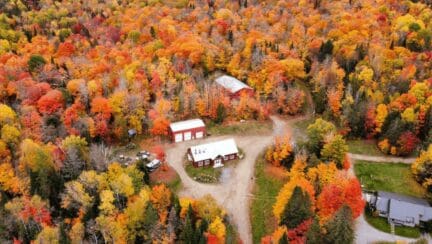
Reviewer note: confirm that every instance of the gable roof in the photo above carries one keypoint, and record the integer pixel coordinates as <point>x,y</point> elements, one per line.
<point>401,206</point>
<point>186,125</point>
<point>403,198</point>
<point>230,83</point>
<point>213,149</point>
<point>401,210</point>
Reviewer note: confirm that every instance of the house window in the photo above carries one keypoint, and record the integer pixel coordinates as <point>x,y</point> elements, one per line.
<point>409,219</point>
<point>200,163</point>
<point>225,157</point>
<point>207,162</point>
<point>232,157</point>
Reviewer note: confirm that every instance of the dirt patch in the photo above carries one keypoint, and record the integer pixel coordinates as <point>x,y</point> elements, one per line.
<point>279,173</point>
<point>164,176</point>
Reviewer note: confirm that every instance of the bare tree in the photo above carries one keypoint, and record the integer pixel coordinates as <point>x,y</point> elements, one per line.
<point>100,156</point>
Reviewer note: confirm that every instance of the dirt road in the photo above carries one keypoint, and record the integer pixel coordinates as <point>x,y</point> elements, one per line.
<point>381,159</point>
<point>234,193</point>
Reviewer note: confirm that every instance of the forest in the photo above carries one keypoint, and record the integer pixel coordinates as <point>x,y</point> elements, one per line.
<point>76,76</point>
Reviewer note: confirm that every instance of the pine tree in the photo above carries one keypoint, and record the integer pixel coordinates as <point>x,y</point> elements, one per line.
<point>188,234</point>
<point>297,210</point>
<point>284,239</point>
<point>340,229</point>
<point>313,235</point>
<point>150,219</point>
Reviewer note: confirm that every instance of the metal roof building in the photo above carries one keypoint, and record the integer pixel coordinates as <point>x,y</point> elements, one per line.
<point>187,130</point>
<point>401,209</point>
<point>233,85</point>
<point>213,153</point>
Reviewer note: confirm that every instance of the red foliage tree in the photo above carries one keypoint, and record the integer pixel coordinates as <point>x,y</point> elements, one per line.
<point>71,115</point>
<point>370,122</point>
<point>160,127</point>
<point>334,195</point>
<point>35,92</point>
<point>297,235</point>
<point>65,49</point>
<point>32,122</point>
<point>50,102</point>
<point>100,106</point>
<point>159,151</point>
<point>407,142</point>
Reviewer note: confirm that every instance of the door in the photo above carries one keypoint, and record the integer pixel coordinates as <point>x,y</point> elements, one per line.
<point>178,137</point>
<point>187,136</point>
<point>217,162</point>
<point>199,134</point>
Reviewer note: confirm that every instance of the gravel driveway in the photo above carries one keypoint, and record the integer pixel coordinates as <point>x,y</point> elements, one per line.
<point>233,194</point>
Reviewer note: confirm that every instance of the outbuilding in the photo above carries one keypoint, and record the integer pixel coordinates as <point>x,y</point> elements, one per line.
<point>234,86</point>
<point>187,130</point>
<point>213,154</point>
<point>401,209</point>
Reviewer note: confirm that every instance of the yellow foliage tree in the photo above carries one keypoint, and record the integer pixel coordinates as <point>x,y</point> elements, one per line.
<point>280,151</point>
<point>421,168</point>
<point>217,228</point>
<point>10,134</point>
<point>107,199</point>
<point>381,115</point>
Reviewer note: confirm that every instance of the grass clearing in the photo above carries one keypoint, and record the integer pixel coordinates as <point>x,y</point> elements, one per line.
<point>367,147</point>
<point>391,177</point>
<point>249,127</point>
<point>382,225</point>
<point>264,196</point>
<point>206,174</point>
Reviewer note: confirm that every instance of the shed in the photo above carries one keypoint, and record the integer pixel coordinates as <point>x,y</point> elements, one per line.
<point>401,209</point>
<point>132,133</point>
<point>214,153</point>
<point>234,86</point>
<point>187,130</point>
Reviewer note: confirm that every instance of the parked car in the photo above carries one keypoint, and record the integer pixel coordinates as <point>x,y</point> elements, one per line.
<point>142,155</point>
<point>153,165</point>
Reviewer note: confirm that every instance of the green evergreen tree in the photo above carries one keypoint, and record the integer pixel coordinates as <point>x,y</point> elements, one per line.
<point>313,235</point>
<point>150,219</point>
<point>35,62</point>
<point>297,210</point>
<point>220,113</point>
<point>284,239</point>
<point>340,229</point>
<point>188,234</point>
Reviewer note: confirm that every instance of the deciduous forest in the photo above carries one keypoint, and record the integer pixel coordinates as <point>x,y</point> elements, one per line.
<point>77,75</point>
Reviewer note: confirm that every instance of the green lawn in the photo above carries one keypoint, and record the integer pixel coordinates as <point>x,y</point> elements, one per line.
<point>367,147</point>
<point>302,125</point>
<point>175,184</point>
<point>382,225</point>
<point>264,196</point>
<point>391,177</point>
<point>203,174</point>
<point>245,128</point>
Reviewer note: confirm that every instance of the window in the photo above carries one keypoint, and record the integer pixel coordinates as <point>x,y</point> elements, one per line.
<point>225,158</point>
<point>200,163</point>
<point>232,157</point>
<point>207,162</point>
<point>410,219</point>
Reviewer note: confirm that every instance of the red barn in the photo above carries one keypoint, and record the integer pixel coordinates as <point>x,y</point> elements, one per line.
<point>214,153</point>
<point>187,130</point>
<point>234,86</point>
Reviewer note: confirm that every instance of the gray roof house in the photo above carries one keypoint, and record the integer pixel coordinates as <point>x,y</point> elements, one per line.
<point>401,209</point>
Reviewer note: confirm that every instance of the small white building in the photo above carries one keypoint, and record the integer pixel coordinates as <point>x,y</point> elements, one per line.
<point>214,153</point>
<point>187,130</point>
